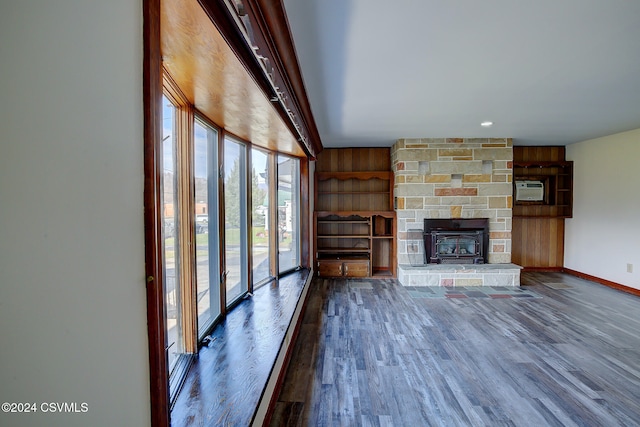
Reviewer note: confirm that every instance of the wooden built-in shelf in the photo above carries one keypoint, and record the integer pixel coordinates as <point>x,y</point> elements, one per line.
<point>344,250</point>
<point>382,272</point>
<point>557,178</point>
<point>354,257</point>
<point>541,164</point>
<point>538,227</point>
<point>343,176</point>
<point>339,221</point>
<point>354,208</point>
<point>343,236</point>
<point>365,216</point>
<point>353,192</point>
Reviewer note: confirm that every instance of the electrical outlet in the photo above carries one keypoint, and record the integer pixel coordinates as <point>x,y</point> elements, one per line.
<point>629,268</point>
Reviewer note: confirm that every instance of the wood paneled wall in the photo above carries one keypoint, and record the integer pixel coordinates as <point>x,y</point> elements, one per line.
<point>538,243</point>
<point>538,154</point>
<point>360,191</point>
<point>354,160</point>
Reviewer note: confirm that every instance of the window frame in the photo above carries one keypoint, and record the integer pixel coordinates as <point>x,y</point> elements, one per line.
<point>270,166</point>
<point>165,388</point>
<point>298,223</point>
<point>185,226</point>
<point>213,165</point>
<point>244,206</point>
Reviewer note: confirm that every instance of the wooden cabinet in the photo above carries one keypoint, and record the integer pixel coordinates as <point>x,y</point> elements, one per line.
<point>538,227</point>
<point>557,179</point>
<point>354,221</point>
<point>354,244</point>
<point>330,267</point>
<point>350,266</point>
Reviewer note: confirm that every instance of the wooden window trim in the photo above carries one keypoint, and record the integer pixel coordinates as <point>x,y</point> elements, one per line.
<point>152,96</point>
<point>305,215</point>
<point>249,218</point>
<point>301,213</point>
<point>273,215</point>
<point>274,42</point>
<point>185,121</point>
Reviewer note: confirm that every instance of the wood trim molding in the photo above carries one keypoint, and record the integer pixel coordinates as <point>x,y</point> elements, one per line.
<point>152,94</point>
<point>543,269</point>
<point>249,222</point>
<point>305,215</point>
<point>186,238</point>
<point>282,81</point>
<point>185,119</point>
<point>222,280</point>
<point>273,219</point>
<point>274,37</point>
<point>604,282</point>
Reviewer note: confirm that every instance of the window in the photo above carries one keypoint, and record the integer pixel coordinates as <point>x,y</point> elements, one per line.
<point>288,213</point>
<point>223,204</point>
<point>188,253</point>
<point>170,250</point>
<point>260,247</point>
<point>235,219</point>
<point>205,166</point>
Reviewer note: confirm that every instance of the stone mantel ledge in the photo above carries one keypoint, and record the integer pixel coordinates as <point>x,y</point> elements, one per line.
<point>453,275</point>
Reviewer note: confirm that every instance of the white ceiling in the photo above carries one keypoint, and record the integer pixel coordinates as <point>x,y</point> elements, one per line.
<point>546,72</point>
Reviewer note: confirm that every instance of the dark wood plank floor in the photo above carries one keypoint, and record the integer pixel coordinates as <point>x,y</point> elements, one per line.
<point>368,354</point>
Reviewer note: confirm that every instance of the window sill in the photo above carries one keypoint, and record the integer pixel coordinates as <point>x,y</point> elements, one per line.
<point>227,379</point>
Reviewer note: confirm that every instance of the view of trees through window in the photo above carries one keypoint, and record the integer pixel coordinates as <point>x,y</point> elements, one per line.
<point>261,257</point>
<point>206,226</point>
<point>288,213</point>
<point>235,219</point>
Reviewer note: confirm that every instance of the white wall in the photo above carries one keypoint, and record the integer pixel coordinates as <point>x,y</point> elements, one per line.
<point>604,234</point>
<point>72,292</point>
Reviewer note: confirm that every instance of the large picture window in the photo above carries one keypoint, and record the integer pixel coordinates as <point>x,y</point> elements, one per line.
<point>171,249</point>
<point>260,203</point>
<point>230,216</point>
<point>212,235</point>
<point>205,166</point>
<point>235,219</point>
<point>288,213</point>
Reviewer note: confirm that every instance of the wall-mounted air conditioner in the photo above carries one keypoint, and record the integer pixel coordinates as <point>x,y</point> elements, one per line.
<point>530,191</point>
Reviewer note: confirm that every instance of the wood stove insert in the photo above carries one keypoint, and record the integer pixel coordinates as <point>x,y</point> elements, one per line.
<point>456,241</point>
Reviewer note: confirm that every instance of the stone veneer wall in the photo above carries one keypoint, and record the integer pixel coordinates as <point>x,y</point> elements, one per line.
<point>454,178</point>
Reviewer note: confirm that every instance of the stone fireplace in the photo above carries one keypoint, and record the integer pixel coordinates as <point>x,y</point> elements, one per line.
<point>455,180</point>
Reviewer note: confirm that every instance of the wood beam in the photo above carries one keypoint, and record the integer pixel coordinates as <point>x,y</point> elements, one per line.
<point>271,60</point>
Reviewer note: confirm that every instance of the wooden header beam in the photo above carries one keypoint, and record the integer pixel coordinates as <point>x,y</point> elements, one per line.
<point>259,35</point>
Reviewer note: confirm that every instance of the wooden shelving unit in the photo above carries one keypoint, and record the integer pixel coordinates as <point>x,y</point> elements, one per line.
<point>557,177</point>
<point>354,191</point>
<point>538,227</point>
<point>354,221</point>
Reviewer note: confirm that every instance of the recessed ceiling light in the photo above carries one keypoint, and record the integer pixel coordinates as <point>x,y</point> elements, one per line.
<point>486,124</point>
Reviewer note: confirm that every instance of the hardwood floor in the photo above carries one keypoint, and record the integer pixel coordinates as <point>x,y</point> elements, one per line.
<point>369,354</point>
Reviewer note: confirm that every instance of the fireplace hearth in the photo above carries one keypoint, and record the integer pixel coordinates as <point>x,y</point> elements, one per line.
<point>456,241</point>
